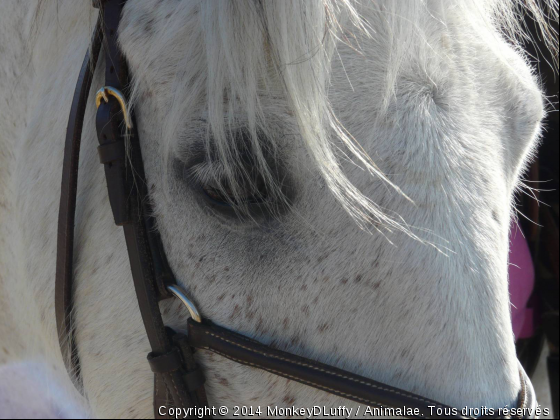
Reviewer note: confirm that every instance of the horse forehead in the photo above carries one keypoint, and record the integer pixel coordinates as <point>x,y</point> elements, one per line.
<point>163,38</point>
<point>155,33</point>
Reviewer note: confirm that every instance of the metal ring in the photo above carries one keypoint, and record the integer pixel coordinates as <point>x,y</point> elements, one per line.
<point>104,93</point>
<point>180,294</point>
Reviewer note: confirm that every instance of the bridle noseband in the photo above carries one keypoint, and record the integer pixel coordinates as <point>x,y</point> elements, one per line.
<point>179,380</point>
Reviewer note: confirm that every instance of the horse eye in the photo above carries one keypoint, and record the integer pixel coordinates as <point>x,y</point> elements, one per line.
<point>248,193</point>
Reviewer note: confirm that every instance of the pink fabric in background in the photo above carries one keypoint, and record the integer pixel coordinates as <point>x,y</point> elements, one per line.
<point>521,283</point>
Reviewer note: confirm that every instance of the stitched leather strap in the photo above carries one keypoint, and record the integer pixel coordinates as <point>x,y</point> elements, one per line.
<point>241,349</point>
<point>317,375</point>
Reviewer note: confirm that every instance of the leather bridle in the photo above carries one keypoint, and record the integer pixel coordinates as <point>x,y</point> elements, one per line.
<point>179,380</point>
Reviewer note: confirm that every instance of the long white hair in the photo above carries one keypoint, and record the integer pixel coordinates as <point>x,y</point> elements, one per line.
<point>252,48</point>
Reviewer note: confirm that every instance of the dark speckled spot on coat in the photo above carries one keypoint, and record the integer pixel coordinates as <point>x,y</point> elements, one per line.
<point>149,26</point>
<point>250,314</point>
<point>260,326</point>
<point>295,340</point>
<point>235,312</point>
<point>289,400</point>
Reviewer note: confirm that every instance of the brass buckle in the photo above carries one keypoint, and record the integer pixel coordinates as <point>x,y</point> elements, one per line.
<point>104,93</point>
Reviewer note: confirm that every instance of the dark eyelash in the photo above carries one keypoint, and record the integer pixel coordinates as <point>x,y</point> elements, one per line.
<point>219,202</point>
<point>221,197</point>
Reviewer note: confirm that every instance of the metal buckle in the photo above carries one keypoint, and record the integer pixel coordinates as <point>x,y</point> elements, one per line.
<point>104,93</point>
<point>180,294</point>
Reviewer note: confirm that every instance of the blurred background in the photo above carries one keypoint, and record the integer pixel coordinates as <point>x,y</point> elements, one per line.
<point>538,204</point>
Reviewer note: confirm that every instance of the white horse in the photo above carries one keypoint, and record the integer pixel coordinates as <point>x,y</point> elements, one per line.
<point>387,139</point>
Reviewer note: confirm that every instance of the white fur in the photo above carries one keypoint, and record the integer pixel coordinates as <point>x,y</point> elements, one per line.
<point>27,391</point>
<point>438,99</point>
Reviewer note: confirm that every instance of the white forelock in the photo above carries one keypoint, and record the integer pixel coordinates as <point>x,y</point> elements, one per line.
<point>241,51</point>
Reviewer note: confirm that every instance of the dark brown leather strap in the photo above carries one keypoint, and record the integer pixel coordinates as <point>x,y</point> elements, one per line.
<point>317,375</point>
<point>180,361</point>
<point>127,193</point>
<point>241,349</point>
<point>67,209</point>
<point>131,209</point>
